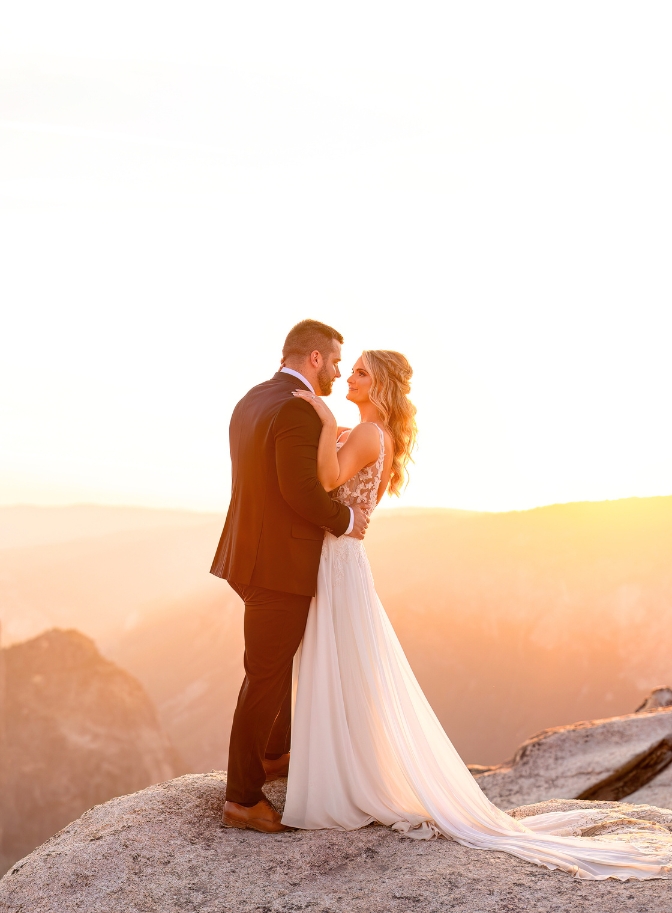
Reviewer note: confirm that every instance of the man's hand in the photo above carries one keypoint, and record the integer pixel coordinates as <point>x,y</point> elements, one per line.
<point>360,524</point>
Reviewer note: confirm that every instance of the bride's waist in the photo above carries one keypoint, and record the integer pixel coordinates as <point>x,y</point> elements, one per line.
<point>342,541</point>
<point>362,504</point>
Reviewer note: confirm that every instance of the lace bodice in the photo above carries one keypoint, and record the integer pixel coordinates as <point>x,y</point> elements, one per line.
<point>362,489</point>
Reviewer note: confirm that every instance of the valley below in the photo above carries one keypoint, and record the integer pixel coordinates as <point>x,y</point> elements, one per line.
<point>512,622</point>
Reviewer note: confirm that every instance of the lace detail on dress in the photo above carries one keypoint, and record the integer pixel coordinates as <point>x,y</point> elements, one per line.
<point>345,550</point>
<point>361,721</point>
<point>362,489</point>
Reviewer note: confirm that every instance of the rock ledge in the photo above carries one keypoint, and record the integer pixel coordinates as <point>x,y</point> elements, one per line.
<point>163,850</point>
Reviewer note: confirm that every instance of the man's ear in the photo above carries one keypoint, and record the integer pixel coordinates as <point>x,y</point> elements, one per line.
<point>316,359</point>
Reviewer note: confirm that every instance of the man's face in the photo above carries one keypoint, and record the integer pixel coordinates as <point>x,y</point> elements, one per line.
<point>328,370</point>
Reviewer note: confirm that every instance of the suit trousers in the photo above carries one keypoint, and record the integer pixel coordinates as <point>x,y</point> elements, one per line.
<point>274,626</point>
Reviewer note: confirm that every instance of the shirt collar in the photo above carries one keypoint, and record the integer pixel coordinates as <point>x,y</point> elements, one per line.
<point>300,376</point>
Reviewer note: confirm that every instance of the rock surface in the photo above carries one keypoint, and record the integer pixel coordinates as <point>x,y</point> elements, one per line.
<point>163,850</point>
<point>567,761</point>
<point>657,792</point>
<point>78,730</point>
<point>659,697</point>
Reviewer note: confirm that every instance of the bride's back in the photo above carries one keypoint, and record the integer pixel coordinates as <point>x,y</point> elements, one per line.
<point>363,489</point>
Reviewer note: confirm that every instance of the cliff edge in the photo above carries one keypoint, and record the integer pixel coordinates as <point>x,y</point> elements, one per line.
<point>163,850</point>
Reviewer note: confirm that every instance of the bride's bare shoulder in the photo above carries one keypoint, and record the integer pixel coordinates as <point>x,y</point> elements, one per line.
<point>364,439</point>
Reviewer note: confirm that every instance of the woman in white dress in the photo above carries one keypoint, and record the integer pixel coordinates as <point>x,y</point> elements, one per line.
<point>366,745</point>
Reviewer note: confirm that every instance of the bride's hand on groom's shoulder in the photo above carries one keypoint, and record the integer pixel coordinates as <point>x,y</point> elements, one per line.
<point>325,414</point>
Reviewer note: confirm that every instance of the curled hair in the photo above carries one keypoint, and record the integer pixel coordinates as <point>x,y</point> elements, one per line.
<point>390,385</point>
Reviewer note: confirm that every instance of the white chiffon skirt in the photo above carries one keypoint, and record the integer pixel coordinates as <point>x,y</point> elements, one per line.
<point>367,746</point>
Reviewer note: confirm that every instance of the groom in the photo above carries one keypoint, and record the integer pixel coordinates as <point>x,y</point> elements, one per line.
<point>269,553</point>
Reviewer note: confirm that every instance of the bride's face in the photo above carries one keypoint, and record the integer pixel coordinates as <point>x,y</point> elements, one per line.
<point>359,383</point>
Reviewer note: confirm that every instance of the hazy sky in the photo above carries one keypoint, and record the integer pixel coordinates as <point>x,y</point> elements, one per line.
<point>486,187</point>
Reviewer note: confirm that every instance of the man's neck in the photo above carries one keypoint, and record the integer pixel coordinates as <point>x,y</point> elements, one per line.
<point>295,373</point>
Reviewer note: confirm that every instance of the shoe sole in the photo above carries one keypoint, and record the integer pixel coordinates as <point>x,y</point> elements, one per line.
<point>251,826</point>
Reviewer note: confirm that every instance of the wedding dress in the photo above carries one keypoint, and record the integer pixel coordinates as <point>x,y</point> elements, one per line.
<point>366,745</point>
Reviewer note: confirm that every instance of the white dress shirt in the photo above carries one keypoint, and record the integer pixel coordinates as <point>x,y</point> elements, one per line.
<point>300,376</point>
<point>310,387</point>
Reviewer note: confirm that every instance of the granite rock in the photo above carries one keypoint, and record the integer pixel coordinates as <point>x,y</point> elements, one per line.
<point>659,697</point>
<point>163,850</point>
<point>567,761</point>
<point>77,730</point>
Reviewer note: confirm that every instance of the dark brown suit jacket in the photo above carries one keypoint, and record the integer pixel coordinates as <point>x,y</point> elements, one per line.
<point>278,511</point>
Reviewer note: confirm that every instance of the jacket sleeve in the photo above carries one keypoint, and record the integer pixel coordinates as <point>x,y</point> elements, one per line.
<point>297,432</point>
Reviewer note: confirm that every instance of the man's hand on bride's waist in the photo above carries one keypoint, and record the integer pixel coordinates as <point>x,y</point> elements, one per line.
<point>361,521</point>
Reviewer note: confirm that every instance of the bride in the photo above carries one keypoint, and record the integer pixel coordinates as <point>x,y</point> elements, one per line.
<point>366,745</point>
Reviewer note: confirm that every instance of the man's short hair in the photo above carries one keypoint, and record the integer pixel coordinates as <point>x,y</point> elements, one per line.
<point>309,336</point>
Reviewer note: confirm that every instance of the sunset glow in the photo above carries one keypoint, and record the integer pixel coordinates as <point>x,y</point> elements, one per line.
<point>176,194</point>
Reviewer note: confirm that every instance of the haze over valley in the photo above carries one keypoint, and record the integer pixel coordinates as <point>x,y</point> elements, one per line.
<point>513,622</point>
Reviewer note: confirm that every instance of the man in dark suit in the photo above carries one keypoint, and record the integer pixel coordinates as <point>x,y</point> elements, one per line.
<point>270,552</point>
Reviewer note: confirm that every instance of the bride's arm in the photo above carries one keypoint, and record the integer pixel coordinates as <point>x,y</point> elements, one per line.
<point>337,466</point>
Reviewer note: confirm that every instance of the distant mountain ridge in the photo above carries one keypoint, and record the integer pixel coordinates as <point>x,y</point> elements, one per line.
<point>513,622</point>
<point>77,730</point>
<point>105,583</point>
<point>25,525</point>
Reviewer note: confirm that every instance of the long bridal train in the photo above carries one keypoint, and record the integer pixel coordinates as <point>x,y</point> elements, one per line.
<point>366,745</point>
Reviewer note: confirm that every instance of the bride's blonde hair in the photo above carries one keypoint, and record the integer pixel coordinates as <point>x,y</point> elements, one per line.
<point>390,385</point>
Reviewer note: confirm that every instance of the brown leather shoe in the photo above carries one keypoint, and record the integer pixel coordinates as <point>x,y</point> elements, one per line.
<point>260,817</point>
<point>277,768</point>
